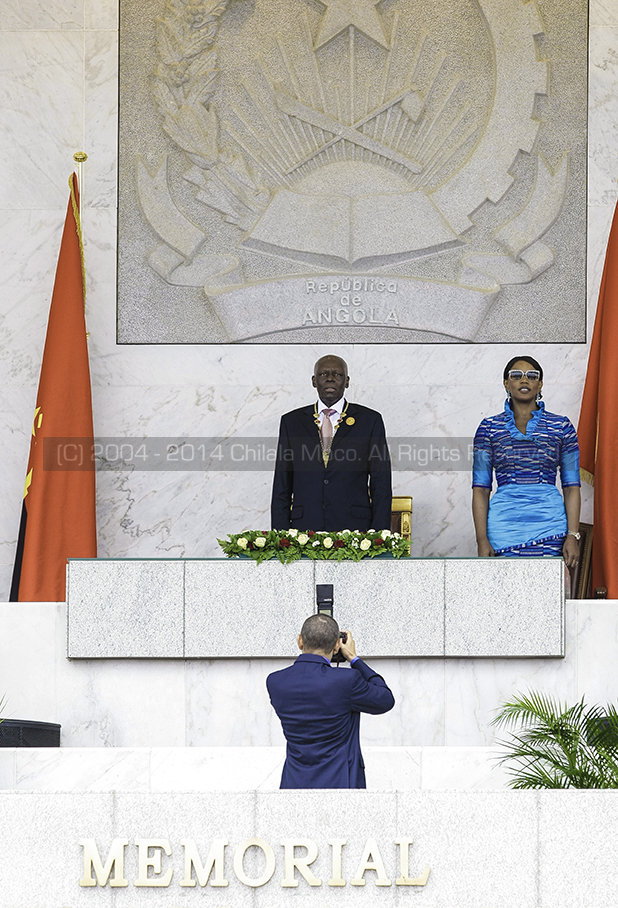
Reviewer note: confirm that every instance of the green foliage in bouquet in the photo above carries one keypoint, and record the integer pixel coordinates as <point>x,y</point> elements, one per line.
<point>290,545</point>
<point>559,746</point>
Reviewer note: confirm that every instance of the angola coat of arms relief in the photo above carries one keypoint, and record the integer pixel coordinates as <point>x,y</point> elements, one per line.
<point>351,171</point>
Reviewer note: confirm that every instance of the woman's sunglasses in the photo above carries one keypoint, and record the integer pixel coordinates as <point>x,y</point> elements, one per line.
<point>531,374</point>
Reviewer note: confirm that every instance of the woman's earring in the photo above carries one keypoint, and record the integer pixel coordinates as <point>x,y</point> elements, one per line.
<point>538,397</point>
<point>508,396</point>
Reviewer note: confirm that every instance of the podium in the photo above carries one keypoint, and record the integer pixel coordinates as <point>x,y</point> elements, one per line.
<point>165,789</point>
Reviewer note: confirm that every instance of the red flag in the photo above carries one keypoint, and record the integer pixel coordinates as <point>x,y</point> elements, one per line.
<point>58,518</point>
<point>598,424</point>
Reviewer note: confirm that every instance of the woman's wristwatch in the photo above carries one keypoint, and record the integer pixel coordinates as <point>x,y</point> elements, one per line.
<point>578,536</point>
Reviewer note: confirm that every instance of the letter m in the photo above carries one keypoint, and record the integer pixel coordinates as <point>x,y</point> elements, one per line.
<point>214,864</point>
<point>113,866</point>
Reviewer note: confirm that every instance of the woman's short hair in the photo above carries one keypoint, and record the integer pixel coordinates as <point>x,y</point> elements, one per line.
<point>320,632</point>
<point>526,359</point>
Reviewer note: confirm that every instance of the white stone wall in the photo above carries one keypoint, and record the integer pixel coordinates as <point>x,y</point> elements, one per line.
<point>224,703</point>
<point>58,94</point>
<point>463,849</point>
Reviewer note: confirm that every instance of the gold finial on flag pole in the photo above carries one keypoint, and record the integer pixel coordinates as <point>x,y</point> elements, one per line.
<point>80,157</point>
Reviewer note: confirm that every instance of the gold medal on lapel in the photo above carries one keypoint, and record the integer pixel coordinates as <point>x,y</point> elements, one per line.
<point>350,421</point>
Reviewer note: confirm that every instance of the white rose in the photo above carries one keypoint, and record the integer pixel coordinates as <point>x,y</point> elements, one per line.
<point>328,543</point>
<point>303,539</point>
<point>242,542</point>
<point>293,533</point>
<point>315,542</point>
<point>365,544</point>
<point>385,534</point>
<point>260,541</point>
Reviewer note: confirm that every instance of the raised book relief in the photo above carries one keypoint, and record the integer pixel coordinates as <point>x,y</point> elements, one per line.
<point>277,152</point>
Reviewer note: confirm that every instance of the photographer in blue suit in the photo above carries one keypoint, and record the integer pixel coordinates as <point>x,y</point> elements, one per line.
<point>333,469</point>
<point>319,707</point>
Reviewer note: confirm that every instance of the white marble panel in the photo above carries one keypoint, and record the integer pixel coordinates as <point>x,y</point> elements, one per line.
<point>175,816</point>
<point>597,645</point>
<point>393,768</point>
<point>461,768</point>
<point>603,116</point>
<point>573,833</point>
<point>353,819</point>
<point>239,608</point>
<point>101,13</point>
<point>124,607</point>
<point>101,99</point>
<point>29,659</point>
<point>418,715</point>
<point>603,12</point>
<point>215,768</point>
<point>82,769</point>
<point>42,831</point>
<point>228,705</point>
<point>39,15</point>
<point>7,768</point>
<point>493,608</point>
<point>481,846</point>
<point>599,223</point>
<point>41,106</point>
<point>392,607</point>
<point>108,703</point>
<point>477,688</point>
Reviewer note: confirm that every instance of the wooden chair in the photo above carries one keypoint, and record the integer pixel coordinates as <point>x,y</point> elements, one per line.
<point>581,576</point>
<point>401,516</point>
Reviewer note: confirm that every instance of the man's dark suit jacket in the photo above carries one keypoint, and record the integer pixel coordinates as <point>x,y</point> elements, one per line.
<point>319,707</point>
<point>353,492</point>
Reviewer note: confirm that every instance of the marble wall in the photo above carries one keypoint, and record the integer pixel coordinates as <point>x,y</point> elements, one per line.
<point>504,848</point>
<point>58,94</point>
<point>204,702</point>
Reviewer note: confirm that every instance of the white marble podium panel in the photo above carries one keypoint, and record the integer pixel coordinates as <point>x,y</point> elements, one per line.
<point>239,608</point>
<point>501,607</point>
<point>126,606</point>
<point>391,608</point>
<point>220,608</point>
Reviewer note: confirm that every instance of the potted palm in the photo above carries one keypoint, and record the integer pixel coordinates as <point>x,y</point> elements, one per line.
<point>553,745</point>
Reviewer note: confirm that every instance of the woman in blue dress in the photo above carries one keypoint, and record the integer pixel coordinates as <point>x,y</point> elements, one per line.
<point>525,445</point>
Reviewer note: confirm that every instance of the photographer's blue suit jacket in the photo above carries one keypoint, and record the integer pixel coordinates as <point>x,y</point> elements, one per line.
<point>319,707</point>
<point>353,492</point>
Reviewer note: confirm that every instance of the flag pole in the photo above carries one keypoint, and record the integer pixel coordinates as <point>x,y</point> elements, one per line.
<point>80,158</point>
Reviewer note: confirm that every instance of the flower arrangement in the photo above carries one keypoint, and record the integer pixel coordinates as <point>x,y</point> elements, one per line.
<point>290,545</point>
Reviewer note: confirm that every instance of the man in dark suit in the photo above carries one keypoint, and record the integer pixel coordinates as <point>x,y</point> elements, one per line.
<point>333,468</point>
<point>319,707</point>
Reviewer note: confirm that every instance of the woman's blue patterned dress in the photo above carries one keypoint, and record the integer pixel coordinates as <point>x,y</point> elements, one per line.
<point>526,513</point>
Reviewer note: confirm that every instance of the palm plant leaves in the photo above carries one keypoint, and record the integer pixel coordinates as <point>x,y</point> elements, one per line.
<point>553,745</point>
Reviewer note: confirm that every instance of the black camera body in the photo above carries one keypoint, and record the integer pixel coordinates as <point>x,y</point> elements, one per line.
<point>338,656</point>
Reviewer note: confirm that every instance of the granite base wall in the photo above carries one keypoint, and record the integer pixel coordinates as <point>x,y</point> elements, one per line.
<point>472,849</point>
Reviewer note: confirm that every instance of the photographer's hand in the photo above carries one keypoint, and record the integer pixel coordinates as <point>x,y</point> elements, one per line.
<point>348,649</point>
